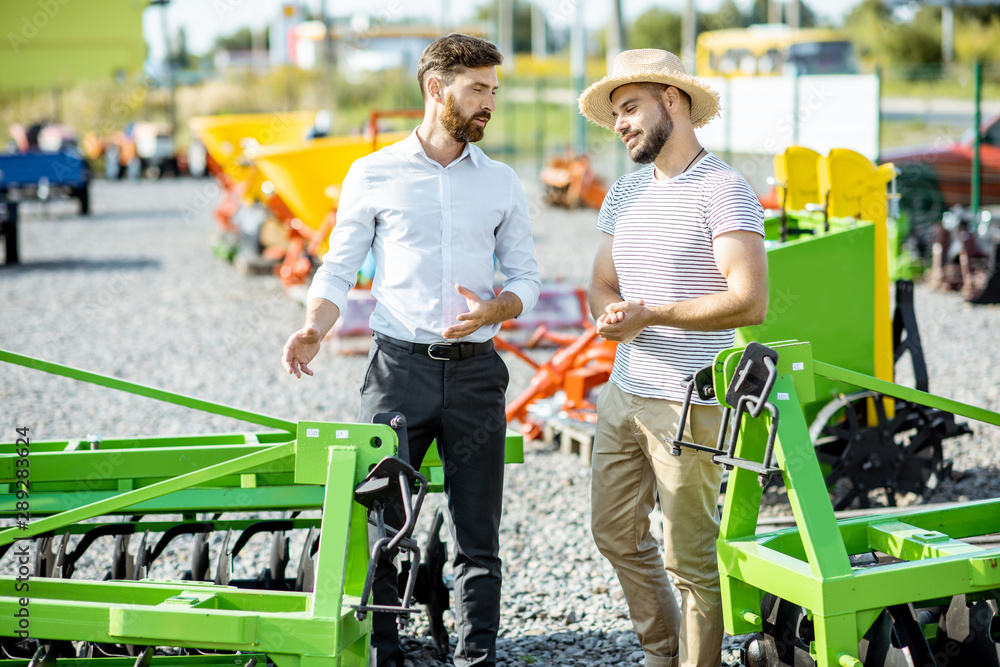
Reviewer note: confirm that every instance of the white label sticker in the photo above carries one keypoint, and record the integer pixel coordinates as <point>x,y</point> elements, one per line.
<point>312,432</point>
<point>782,396</point>
<point>343,434</point>
<point>798,365</point>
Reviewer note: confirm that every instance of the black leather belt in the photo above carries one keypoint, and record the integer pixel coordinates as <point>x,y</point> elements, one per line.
<point>439,351</point>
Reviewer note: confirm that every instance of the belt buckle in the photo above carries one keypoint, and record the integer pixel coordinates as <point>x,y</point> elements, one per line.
<point>447,346</point>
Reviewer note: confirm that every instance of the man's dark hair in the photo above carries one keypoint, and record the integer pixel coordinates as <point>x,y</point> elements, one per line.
<point>453,54</point>
<point>656,89</point>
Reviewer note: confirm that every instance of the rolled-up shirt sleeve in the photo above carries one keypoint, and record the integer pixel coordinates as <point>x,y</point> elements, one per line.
<point>350,241</point>
<point>515,249</point>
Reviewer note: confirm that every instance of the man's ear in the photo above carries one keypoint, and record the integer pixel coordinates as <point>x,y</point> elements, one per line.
<point>671,97</point>
<point>435,89</point>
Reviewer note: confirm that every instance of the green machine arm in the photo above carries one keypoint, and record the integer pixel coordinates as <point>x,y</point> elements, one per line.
<point>822,567</point>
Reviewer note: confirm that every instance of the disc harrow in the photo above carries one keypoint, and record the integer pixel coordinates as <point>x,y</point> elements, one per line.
<point>271,538</point>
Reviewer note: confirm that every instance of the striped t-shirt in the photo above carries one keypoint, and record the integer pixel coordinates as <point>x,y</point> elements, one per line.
<point>663,253</point>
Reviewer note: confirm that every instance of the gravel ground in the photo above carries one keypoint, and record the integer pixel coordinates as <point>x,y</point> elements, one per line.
<point>135,292</point>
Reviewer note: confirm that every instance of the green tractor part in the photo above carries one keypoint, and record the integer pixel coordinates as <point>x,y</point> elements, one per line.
<point>78,492</point>
<point>828,256</point>
<point>877,591</point>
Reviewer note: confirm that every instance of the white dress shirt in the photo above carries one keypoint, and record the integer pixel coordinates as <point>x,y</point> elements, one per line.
<point>429,228</point>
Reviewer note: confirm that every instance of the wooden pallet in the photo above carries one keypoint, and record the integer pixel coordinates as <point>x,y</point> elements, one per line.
<point>572,437</point>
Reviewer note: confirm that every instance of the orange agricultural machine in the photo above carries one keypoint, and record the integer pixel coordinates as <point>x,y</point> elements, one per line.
<point>564,382</point>
<point>570,182</point>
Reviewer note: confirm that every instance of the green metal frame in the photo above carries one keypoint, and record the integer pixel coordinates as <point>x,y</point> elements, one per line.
<point>821,289</point>
<point>305,465</point>
<point>809,565</point>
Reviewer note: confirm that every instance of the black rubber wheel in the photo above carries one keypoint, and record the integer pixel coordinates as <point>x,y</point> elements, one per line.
<point>8,230</point>
<point>83,195</point>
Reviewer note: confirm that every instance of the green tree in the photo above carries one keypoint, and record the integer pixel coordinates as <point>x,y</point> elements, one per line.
<point>656,28</point>
<point>522,22</point>
<point>885,37</point>
<point>240,40</point>
<point>728,15</point>
<point>758,14</point>
<point>918,43</point>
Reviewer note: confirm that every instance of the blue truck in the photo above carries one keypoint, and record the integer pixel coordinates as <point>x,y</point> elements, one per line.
<point>45,175</point>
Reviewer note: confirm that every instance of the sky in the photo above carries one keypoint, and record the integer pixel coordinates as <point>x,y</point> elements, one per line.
<point>203,20</point>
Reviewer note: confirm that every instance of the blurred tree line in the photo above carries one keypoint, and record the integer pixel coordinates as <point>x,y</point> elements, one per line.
<point>660,28</point>
<point>895,35</point>
<point>884,32</point>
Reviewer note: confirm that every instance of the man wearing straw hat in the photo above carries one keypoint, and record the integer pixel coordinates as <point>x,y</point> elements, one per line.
<point>681,263</point>
<point>435,210</point>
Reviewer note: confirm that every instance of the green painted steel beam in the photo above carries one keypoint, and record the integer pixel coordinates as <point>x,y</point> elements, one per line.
<point>293,497</point>
<point>161,526</point>
<point>907,393</point>
<point>149,392</point>
<point>130,498</point>
<point>204,440</point>
<point>159,463</point>
<point>223,660</point>
<point>895,538</point>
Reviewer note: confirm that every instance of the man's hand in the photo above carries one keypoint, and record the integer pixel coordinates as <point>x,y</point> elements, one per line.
<point>483,312</point>
<point>623,320</point>
<point>479,315</point>
<point>300,348</point>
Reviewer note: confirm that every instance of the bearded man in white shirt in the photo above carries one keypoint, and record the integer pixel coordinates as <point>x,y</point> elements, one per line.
<point>434,211</point>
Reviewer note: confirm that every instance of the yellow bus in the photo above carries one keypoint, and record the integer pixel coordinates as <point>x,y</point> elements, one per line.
<point>768,50</point>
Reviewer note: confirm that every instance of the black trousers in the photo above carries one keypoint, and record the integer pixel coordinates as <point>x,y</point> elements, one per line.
<point>461,405</point>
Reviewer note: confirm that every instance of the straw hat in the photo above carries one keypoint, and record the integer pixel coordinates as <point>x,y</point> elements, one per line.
<point>655,66</point>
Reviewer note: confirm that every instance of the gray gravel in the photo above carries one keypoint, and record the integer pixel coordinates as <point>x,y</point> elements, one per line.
<point>135,292</point>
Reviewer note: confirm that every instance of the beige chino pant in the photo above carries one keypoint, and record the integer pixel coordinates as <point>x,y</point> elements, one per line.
<point>631,465</point>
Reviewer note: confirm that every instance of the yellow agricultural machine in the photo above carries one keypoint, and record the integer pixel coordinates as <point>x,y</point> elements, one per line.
<point>232,141</point>
<point>281,176</point>
<point>306,178</point>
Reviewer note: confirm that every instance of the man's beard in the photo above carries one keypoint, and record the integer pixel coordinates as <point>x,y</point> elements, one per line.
<point>647,149</point>
<point>461,127</point>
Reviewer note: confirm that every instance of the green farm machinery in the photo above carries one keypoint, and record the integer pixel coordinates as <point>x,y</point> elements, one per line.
<point>910,589</point>
<point>328,481</point>
<point>830,250</point>
<point>823,422</point>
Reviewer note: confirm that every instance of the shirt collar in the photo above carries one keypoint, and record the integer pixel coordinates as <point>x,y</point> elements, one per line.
<point>411,147</point>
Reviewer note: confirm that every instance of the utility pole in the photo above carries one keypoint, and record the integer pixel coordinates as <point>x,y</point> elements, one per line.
<point>328,54</point>
<point>539,49</point>
<point>578,66</point>
<point>505,20</point>
<point>794,17</point>
<point>688,31</point>
<point>774,12</point>
<point>947,34</point>
<point>168,66</point>
<point>615,34</point>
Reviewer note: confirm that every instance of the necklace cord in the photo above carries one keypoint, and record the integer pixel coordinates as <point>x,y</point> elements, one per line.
<point>700,150</point>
